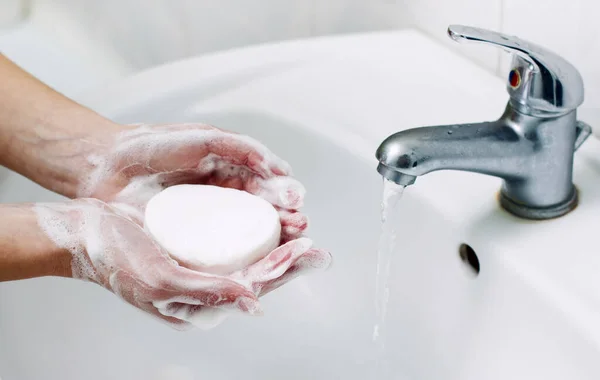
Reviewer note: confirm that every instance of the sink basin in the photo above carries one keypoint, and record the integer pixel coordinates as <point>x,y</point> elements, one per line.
<point>324,105</point>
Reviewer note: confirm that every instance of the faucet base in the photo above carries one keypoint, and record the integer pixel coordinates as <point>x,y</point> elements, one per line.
<point>542,213</point>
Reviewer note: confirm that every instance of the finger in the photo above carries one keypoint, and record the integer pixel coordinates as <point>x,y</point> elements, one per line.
<point>293,219</point>
<point>314,259</point>
<point>278,261</point>
<point>246,151</point>
<point>122,287</point>
<point>195,288</point>
<point>293,224</point>
<point>199,316</point>
<point>281,191</point>
<point>172,322</point>
<point>232,177</point>
<point>188,145</point>
<point>276,165</point>
<point>285,192</point>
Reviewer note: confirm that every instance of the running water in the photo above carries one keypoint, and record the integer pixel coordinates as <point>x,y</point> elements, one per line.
<point>387,244</point>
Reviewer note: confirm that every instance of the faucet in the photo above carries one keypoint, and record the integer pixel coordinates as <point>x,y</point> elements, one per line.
<point>531,146</point>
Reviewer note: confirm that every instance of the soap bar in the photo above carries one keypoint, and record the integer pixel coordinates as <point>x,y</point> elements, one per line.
<point>212,229</point>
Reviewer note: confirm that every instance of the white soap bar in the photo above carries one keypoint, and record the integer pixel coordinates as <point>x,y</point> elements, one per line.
<point>212,229</point>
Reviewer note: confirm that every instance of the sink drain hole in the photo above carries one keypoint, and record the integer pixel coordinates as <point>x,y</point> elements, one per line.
<point>469,257</point>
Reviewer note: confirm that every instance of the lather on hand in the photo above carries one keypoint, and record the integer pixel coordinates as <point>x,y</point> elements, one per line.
<point>112,171</point>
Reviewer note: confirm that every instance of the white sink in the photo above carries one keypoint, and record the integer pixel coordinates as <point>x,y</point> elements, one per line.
<point>324,105</point>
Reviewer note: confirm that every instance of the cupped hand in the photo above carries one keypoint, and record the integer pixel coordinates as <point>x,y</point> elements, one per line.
<point>111,250</point>
<point>140,161</point>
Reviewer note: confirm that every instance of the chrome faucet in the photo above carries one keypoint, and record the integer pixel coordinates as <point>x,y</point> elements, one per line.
<point>531,146</point>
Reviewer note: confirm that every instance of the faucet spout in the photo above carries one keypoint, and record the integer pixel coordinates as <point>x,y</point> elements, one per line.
<point>479,147</point>
<point>534,157</point>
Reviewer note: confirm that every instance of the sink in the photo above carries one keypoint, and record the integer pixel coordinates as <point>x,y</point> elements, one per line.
<point>324,105</point>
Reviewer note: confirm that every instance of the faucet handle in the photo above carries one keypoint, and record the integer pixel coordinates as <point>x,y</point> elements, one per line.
<point>540,82</point>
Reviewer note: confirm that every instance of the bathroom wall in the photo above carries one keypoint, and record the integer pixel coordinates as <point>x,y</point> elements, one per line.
<point>151,32</point>
<point>569,28</point>
<point>144,33</point>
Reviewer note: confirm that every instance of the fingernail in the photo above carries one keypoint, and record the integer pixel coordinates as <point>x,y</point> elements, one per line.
<point>302,245</point>
<point>283,191</point>
<point>292,194</point>
<point>313,260</point>
<point>280,167</point>
<point>250,306</point>
<point>291,231</point>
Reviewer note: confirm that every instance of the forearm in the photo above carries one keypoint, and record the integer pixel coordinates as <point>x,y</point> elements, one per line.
<point>44,135</point>
<point>25,250</point>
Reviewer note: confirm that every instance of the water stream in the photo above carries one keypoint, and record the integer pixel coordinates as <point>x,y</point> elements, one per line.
<point>390,214</point>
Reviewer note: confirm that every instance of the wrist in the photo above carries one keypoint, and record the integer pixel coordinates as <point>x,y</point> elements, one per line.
<point>44,135</point>
<point>58,156</point>
<point>25,250</point>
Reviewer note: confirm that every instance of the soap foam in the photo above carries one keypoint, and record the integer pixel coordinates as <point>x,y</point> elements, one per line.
<point>105,245</point>
<point>280,266</point>
<point>218,157</point>
<point>115,252</point>
<point>64,232</point>
<point>281,191</point>
<point>92,231</point>
<point>140,146</point>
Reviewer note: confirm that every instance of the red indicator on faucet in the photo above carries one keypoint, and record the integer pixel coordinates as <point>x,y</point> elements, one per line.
<point>514,78</point>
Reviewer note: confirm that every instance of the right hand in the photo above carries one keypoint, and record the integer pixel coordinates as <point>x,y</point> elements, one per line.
<point>113,251</point>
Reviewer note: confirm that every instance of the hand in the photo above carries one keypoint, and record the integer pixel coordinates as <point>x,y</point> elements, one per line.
<point>143,160</point>
<point>111,250</point>
<point>135,164</point>
<point>279,267</point>
<point>75,152</point>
